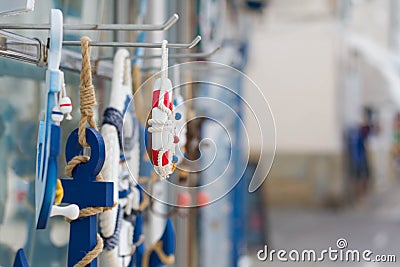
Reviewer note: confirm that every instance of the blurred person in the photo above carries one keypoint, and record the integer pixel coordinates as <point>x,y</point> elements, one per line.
<point>358,161</point>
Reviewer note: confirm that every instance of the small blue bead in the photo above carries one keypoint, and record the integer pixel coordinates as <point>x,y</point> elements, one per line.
<point>174,159</point>
<point>178,116</point>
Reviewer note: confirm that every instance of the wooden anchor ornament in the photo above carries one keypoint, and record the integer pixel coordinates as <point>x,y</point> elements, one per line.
<point>87,189</point>
<point>89,194</point>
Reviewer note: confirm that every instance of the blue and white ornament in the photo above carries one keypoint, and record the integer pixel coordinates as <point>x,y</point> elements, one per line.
<point>57,115</point>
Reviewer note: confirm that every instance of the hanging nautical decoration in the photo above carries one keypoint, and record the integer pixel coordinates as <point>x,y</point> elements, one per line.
<point>161,125</point>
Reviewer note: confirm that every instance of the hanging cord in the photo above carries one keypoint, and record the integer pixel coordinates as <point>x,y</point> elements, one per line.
<point>164,62</point>
<point>87,102</point>
<point>164,76</point>
<point>87,96</point>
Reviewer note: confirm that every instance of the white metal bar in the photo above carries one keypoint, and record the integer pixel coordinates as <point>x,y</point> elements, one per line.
<point>97,27</point>
<point>133,44</point>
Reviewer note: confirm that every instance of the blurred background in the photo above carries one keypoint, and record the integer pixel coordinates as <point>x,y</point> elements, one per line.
<point>330,71</point>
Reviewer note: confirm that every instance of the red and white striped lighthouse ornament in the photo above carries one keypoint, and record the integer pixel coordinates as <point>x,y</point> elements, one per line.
<point>162,122</point>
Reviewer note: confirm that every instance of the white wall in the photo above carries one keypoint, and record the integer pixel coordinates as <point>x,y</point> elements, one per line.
<point>294,65</point>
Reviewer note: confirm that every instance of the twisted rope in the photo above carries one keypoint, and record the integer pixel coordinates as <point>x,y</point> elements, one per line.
<point>87,95</point>
<point>158,249</point>
<point>87,102</point>
<point>75,161</point>
<point>160,125</point>
<point>164,61</point>
<point>164,108</point>
<point>91,254</point>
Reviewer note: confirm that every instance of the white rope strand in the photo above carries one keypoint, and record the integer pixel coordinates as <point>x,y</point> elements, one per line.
<point>164,62</point>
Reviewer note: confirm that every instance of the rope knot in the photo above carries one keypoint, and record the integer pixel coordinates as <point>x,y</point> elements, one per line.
<point>88,112</point>
<point>75,161</point>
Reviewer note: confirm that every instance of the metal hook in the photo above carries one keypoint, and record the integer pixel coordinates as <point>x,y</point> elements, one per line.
<point>195,55</point>
<point>192,44</point>
<point>21,48</point>
<point>172,56</point>
<point>97,27</point>
<point>184,55</point>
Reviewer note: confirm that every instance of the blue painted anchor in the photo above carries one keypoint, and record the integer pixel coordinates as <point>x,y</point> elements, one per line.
<point>85,191</point>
